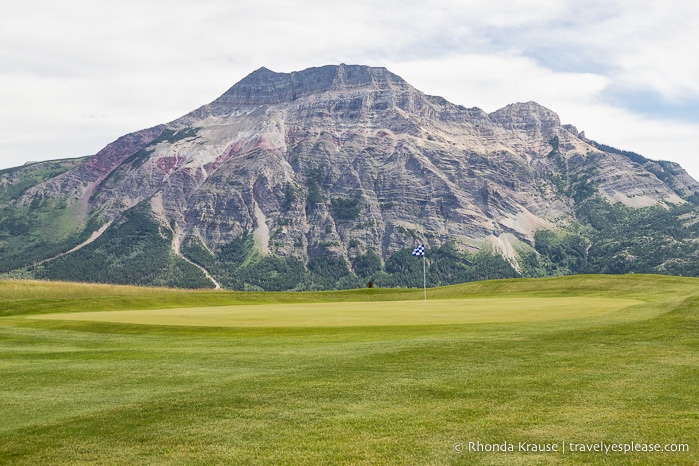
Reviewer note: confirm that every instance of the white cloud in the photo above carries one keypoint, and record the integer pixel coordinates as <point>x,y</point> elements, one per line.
<point>76,74</point>
<point>493,81</point>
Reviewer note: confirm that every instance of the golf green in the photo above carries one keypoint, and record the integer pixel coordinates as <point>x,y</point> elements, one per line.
<point>341,314</point>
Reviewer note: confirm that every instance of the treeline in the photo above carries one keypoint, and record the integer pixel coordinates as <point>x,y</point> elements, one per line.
<point>606,238</point>
<point>239,266</point>
<point>615,239</point>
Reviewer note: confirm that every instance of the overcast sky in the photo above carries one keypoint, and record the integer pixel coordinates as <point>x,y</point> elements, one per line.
<point>77,74</point>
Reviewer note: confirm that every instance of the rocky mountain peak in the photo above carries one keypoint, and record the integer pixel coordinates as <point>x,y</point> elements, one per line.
<point>339,164</point>
<point>266,87</point>
<point>530,117</point>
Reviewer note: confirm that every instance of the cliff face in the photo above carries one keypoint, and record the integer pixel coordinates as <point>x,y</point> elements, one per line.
<point>342,159</point>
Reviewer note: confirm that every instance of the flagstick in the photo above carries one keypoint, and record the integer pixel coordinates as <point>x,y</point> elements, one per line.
<point>424,278</point>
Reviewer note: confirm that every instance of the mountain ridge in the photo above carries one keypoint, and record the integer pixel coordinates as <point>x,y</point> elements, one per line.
<point>343,160</point>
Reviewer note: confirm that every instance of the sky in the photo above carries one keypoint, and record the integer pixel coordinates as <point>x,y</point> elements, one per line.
<point>77,74</point>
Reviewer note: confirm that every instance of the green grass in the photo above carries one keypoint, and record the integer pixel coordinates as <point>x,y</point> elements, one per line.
<point>371,313</point>
<point>390,392</point>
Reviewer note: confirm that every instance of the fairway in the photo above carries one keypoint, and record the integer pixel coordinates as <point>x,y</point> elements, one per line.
<point>341,314</point>
<point>507,372</point>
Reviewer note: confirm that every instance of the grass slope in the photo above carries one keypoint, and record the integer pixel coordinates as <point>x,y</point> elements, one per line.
<point>110,393</point>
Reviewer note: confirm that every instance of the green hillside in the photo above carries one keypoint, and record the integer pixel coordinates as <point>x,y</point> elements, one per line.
<point>136,248</point>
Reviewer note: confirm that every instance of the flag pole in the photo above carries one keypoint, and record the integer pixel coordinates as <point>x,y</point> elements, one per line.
<point>420,251</point>
<point>424,278</point>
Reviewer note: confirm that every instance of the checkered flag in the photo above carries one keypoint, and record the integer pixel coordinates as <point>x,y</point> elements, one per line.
<point>419,251</point>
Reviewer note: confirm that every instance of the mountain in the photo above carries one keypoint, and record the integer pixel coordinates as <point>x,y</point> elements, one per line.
<point>328,177</point>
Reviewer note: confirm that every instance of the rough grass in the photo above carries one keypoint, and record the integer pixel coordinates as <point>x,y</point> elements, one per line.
<point>111,393</point>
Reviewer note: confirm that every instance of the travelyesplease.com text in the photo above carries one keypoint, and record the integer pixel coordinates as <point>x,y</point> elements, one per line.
<point>570,447</point>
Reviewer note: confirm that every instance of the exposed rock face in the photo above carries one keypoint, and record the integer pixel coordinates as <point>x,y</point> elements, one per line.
<point>315,160</point>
